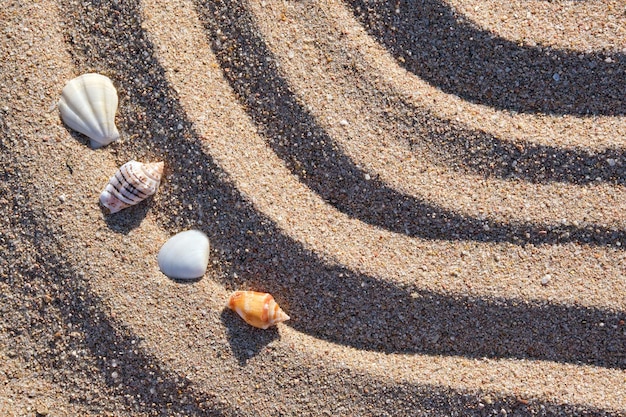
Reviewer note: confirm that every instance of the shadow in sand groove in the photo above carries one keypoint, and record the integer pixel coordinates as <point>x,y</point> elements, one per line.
<point>327,301</point>
<point>311,153</point>
<point>478,152</point>
<point>441,141</point>
<point>246,341</point>
<point>430,39</point>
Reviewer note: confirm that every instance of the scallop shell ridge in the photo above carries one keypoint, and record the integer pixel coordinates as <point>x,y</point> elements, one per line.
<point>132,183</point>
<point>88,104</point>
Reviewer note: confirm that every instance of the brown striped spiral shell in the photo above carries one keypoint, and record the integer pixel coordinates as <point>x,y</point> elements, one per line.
<point>131,184</point>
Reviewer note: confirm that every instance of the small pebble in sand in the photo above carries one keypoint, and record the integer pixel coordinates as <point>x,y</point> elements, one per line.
<point>546,279</point>
<point>611,162</point>
<point>343,122</point>
<point>42,410</point>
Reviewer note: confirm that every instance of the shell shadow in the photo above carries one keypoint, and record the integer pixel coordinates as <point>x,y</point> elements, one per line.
<point>185,281</point>
<point>77,136</point>
<point>246,341</point>
<point>81,138</point>
<point>127,219</point>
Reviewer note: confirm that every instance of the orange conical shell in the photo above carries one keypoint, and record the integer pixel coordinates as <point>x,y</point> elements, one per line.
<point>258,309</point>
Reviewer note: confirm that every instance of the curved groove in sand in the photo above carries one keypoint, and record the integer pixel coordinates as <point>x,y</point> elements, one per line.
<point>472,374</point>
<point>311,154</point>
<point>601,132</point>
<point>337,95</point>
<point>590,25</point>
<point>451,53</point>
<point>334,45</point>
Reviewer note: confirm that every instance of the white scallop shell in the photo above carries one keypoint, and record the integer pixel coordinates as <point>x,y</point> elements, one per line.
<point>185,255</point>
<point>88,104</point>
<point>131,184</point>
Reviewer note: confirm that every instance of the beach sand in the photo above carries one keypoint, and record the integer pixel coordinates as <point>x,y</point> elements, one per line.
<point>433,191</point>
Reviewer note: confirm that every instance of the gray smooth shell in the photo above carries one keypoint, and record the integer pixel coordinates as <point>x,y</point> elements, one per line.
<point>185,255</point>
